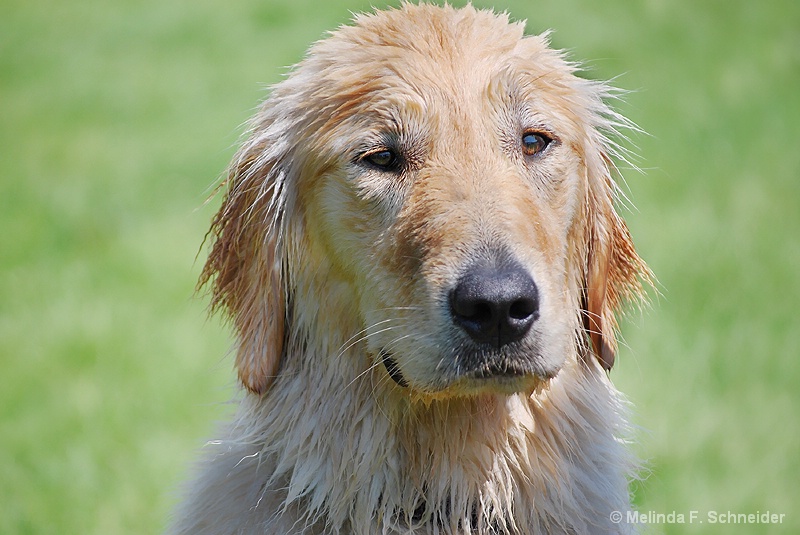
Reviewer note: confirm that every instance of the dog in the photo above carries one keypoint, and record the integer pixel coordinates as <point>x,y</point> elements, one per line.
<point>419,251</point>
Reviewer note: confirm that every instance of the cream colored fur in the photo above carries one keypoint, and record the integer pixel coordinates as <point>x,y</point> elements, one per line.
<point>324,263</point>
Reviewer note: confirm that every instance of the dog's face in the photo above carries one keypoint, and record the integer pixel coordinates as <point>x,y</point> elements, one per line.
<point>451,202</point>
<point>451,174</point>
<point>452,211</point>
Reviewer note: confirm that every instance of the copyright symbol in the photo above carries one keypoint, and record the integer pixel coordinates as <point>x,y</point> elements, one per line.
<point>615,517</point>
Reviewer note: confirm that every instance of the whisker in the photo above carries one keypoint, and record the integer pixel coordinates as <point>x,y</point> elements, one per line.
<point>371,367</point>
<point>357,337</point>
<point>404,307</point>
<point>362,339</point>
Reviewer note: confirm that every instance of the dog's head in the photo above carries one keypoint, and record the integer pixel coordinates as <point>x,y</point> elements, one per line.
<point>437,187</point>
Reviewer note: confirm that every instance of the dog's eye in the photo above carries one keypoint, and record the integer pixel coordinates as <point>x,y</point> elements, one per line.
<point>534,142</point>
<point>384,159</point>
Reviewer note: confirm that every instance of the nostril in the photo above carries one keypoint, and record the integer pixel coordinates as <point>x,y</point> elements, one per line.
<point>522,309</point>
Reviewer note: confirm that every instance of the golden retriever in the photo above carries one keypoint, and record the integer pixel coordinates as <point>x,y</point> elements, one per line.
<point>420,254</point>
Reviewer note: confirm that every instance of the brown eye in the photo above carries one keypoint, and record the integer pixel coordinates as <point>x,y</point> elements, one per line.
<point>385,160</point>
<point>534,142</point>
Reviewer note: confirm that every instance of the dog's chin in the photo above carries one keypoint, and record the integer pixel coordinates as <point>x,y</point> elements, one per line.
<point>506,379</point>
<point>503,385</point>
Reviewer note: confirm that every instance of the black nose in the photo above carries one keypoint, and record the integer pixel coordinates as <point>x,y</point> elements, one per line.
<point>495,305</point>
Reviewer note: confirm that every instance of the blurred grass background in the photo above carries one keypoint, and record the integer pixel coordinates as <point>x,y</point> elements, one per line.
<point>116,118</point>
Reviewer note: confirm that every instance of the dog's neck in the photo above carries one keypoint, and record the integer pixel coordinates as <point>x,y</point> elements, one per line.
<point>375,461</point>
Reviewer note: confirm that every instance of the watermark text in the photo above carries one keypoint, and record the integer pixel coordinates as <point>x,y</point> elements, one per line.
<point>697,517</point>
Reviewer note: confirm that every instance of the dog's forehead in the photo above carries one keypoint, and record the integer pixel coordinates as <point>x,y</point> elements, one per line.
<point>422,54</point>
<point>431,29</point>
<point>429,46</point>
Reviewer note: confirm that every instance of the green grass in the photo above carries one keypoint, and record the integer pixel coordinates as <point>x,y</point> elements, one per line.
<point>117,117</point>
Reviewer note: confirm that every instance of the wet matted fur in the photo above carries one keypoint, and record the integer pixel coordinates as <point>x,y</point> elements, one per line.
<point>420,254</point>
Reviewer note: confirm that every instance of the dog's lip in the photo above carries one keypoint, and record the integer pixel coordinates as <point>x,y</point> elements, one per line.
<point>392,368</point>
<point>503,375</point>
<point>496,370</point>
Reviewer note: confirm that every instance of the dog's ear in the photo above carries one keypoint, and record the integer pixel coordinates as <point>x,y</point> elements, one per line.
<point>613,270</point>
<point>595,302</point>
<point>246,264</point>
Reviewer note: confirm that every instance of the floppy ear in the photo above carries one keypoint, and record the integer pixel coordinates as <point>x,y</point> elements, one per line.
<point>595,303</point>
<point>613,271</point>
<point>246,264</point>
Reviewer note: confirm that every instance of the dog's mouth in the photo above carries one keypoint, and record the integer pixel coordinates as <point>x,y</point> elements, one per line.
<point>501,369</point>
<point>393,369</point>
<point>503,372</point>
